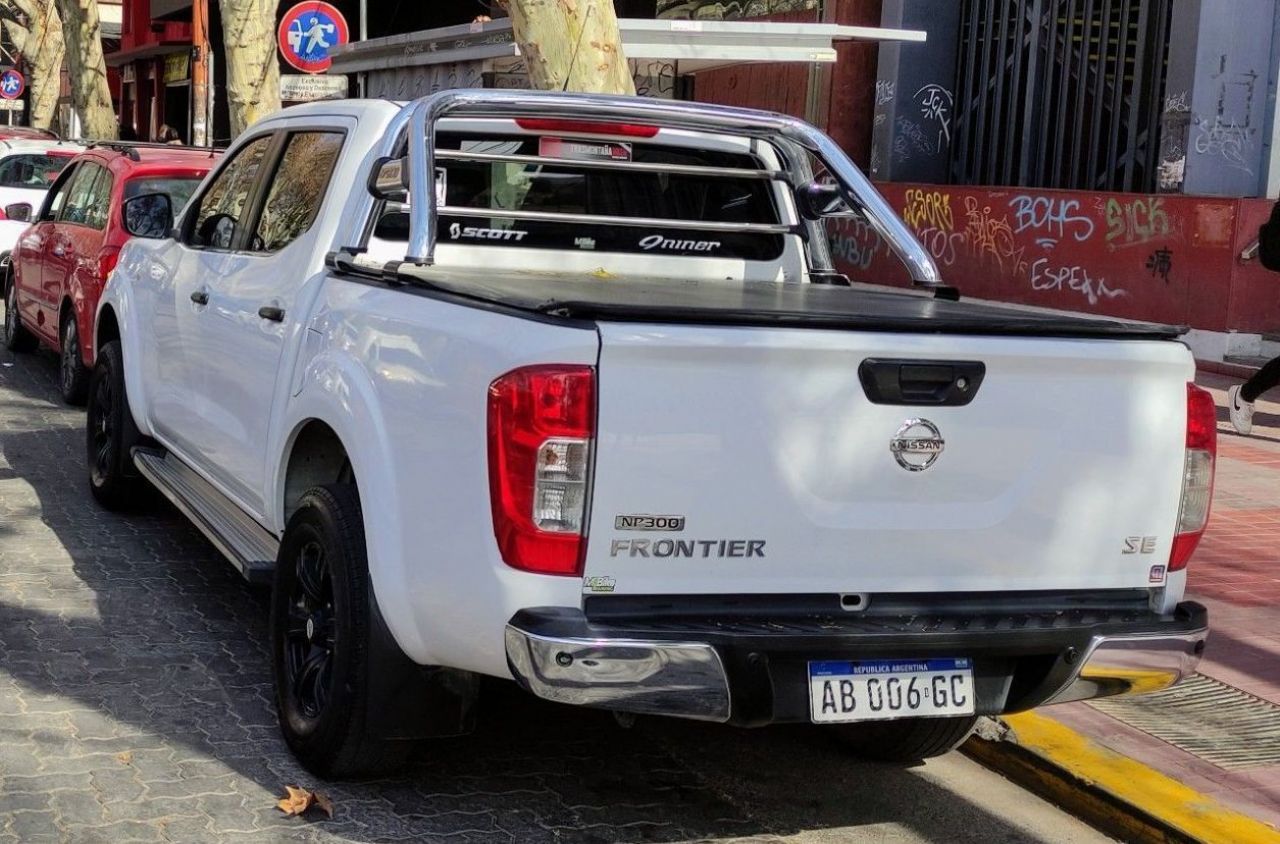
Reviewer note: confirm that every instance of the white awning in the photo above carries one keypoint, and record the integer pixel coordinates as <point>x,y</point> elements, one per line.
<point>691,45</point>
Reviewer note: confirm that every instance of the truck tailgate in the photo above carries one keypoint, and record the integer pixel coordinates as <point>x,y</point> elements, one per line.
<point>776,467</point>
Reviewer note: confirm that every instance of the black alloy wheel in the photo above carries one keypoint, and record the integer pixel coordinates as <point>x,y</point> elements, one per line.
<point>321,645</point>
<point>309,634</point>
<point>110,436</point>
<point>73,375</point>
<point>16,336</point>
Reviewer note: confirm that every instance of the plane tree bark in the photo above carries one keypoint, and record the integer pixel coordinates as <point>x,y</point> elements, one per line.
<point>253,73</point>
<point>35,28</point>
<point>87,68</point>
<point>571,45</point>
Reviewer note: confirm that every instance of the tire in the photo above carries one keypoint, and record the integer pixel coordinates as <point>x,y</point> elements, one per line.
<point>73,375</point>
<point>321,642</point>
<point>907,740</point>
<point>16,336</point>
<point>110,435</point>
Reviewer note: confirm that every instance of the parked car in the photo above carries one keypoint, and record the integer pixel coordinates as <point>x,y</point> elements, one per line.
<point>563,389</point>
<point>61,262</point>
<point>27,133</point>
<point>27,169</point>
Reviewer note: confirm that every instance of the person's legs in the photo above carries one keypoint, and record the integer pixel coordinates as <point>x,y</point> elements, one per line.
<point>1266,378</point>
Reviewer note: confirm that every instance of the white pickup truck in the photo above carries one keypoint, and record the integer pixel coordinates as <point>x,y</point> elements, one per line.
<point>587,408</point>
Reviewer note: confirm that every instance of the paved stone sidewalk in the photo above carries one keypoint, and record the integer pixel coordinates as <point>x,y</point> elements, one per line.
<point>135,705</point>
<point>1236,574</point>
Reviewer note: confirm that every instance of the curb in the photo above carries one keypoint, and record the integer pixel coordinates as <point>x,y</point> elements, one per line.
<point>1118,795</point>
<point>1222,367</point>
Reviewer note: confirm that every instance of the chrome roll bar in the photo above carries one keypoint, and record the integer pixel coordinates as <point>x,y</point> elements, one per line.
<point>419,119</point>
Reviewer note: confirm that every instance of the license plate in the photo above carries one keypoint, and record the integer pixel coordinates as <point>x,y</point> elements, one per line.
<point>842,691</point>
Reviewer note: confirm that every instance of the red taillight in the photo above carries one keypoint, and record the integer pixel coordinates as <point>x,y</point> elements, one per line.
<point>107,260</point>
<point>1197,475</point>
<point>626,130</point>
<point>541,425</point>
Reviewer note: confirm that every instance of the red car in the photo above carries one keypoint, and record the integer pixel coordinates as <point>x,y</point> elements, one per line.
<point>62,261</point>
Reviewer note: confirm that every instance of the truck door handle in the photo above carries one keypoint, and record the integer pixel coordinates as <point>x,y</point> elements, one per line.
<point>200,297</point>
<point>936,383</point>
<point>272,313</point>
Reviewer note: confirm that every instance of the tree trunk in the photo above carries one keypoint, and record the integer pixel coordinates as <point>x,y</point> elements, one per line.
<point>88,69</point>
<point>38,39</point>
<point>253,73</point>
<point>551,32</point>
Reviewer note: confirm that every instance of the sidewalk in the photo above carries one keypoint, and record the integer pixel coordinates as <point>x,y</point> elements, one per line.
<point>1220,734</point>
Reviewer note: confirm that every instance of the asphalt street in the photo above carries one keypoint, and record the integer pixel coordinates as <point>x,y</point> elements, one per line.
<point>135,704</point>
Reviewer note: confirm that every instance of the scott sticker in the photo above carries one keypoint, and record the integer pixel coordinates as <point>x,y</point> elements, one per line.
<point>460,232</point>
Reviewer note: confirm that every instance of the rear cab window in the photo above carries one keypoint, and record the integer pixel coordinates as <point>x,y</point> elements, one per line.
<point>573,188</point>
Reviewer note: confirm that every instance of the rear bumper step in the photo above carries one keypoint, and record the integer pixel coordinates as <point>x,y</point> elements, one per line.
<point>749,674</point>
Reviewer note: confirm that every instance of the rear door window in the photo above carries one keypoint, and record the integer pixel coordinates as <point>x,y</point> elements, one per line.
<point>79,207</point>
<point>571,188</point>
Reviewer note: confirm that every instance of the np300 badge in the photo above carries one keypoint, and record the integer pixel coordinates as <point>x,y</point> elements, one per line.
<point>917,445</point>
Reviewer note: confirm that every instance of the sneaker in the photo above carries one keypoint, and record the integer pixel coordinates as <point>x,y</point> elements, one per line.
<point>1241,411</point>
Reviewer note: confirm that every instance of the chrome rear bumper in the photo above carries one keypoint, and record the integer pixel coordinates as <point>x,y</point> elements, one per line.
<point>714,679</point>
<point>1119,665</point>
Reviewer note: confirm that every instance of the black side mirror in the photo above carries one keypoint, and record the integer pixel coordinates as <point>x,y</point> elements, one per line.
<point>149,215</point>
<point>18,211</point>
<point>817,200</point>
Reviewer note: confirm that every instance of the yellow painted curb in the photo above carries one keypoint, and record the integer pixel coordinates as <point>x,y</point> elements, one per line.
<point>1116,793</point>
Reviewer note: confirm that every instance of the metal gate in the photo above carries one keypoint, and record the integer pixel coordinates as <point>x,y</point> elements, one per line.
<point>1060,93</point>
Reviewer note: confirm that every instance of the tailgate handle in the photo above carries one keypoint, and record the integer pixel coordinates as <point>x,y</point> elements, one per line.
<point>937,383</point>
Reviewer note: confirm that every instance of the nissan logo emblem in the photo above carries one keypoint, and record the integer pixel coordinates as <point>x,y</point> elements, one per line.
<point>917,445</point>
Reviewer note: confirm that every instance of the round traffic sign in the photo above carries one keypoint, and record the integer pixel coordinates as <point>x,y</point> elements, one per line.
<point>308,31</point>
<point>12,84</point>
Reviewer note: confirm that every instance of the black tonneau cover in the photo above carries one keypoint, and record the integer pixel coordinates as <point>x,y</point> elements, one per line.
<point>616,299</point>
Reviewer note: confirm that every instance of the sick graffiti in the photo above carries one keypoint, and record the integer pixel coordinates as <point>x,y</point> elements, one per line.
<point>990,238</point>
<point>925,209</point>
<point>1135,222</point>
<point>854,242</point>
<point>1047,277</point>
<point>1050,218</point>
<point>1160,263</point>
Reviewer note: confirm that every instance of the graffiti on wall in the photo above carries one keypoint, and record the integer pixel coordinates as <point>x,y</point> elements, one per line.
<point>935,105</point>
<point>1135,222</point>
<point>1120,254</point>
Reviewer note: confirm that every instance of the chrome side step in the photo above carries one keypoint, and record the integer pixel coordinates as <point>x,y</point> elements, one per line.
<point>249,547</point>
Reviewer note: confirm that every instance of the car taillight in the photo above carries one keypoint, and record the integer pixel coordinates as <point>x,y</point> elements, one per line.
<point>541,425</point>
<point>626,130</point>
<point>1197,475</point>
<point>107,260</point>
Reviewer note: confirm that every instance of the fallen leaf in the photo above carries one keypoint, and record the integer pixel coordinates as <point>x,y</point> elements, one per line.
<point>299,800</point>
<point>125,757</point>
